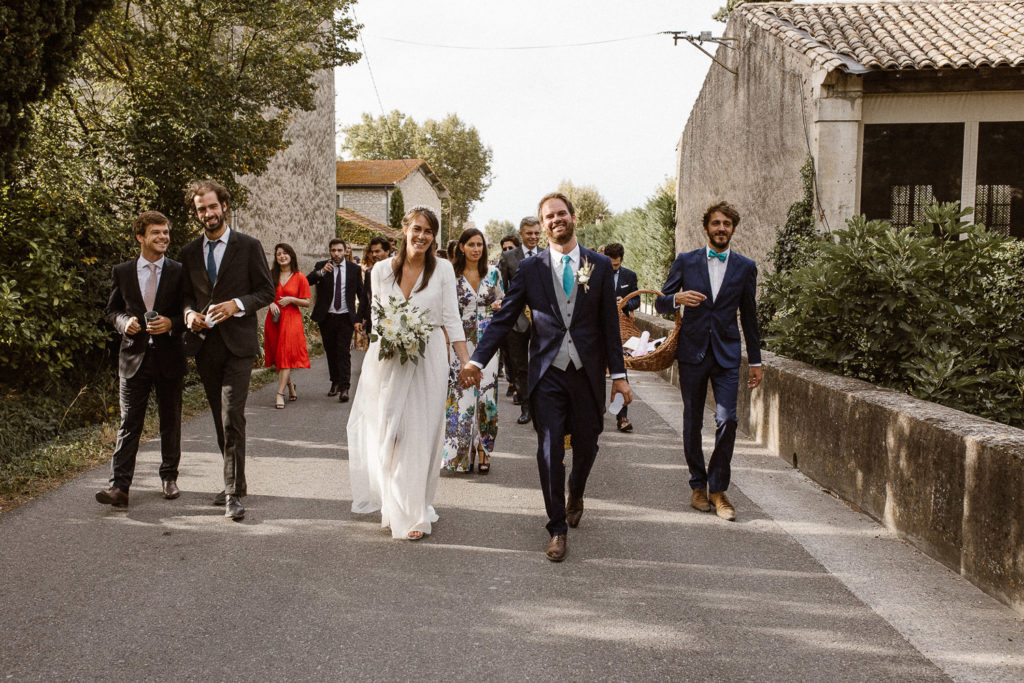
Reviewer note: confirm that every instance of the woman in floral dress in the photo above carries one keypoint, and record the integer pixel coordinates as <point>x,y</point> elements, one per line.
<point>472,414</point>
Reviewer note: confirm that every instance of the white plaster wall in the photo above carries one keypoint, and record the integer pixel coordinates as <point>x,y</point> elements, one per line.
<point>746,138</point>
<point>293,201</point>
<point>417,191</point>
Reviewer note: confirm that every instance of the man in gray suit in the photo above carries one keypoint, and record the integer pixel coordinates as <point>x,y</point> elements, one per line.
<point>226,282</point>
<point>518,340</point>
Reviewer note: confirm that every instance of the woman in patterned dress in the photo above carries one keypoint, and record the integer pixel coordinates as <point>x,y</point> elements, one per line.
<point>472,414</point>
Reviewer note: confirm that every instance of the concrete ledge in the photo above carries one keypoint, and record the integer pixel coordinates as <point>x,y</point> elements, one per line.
<point>949,482</point>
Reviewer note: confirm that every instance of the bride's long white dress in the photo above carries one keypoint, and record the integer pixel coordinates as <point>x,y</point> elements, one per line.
<point>396,427</point>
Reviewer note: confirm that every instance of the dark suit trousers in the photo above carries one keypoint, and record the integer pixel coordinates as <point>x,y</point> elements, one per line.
<point>562,404</point>
<point>336,331</point>
<point>134,396</point>
<point>518,369</point>
<point>693,385</point>
<point>225,378</point>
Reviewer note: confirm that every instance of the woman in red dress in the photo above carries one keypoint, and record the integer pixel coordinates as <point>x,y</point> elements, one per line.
<point>284,336</point>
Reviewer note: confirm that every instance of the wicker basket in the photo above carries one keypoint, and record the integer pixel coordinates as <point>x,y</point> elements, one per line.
<point>661,357</point>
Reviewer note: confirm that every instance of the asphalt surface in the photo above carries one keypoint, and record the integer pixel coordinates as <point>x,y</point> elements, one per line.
<point>799,588</point>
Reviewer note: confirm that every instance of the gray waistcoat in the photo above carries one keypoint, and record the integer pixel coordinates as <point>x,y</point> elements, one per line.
<point>567,351</point>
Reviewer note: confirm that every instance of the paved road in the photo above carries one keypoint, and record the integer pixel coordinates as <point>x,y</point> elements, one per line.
<point>800,588</point>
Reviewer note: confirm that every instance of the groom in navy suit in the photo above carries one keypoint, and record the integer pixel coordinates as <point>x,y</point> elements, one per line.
<point>712,283</point>
<point>574,341</point>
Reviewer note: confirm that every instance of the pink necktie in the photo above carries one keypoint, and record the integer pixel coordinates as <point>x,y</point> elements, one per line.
<point>149,296</point>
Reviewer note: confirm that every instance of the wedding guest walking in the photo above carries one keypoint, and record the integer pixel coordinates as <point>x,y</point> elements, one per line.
<point>713,282</point>
<point>284,333</point>
<point>226,281</point>
<point>472,412</point>
<point>517,342</point>
<point>396,429</point>
<point>145,308</point>
<point>625,283</point>
<point>574,342</point>
<point>340,309</point>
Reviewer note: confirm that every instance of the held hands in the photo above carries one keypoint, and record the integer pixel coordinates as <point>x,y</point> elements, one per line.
<point>689,298</point>
<point>470,375</point>
<point>621,386</point>
<point>756,375</point>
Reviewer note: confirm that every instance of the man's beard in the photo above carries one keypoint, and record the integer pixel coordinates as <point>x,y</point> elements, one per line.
<point>566,236</point>
<point>215,228</point>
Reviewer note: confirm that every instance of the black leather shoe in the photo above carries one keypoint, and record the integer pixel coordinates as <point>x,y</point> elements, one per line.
<point>220,498</point>
<point>524,418</point>
<point>573,511</point>
<point>170,489</point>
<point>516,401</point>
<point>334,389</point>
<point>343,396</point>
<point>113,496</point>
<point>623,425</point>
<point>233,508</point>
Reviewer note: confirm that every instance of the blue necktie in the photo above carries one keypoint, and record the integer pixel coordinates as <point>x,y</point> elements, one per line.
<point>211,265</point>
<point>714,254</point>
<point>567,279</point>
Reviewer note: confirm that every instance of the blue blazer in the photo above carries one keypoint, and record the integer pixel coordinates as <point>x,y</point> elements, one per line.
<point>628,285</point>
<point>713,323</point>
<point>594,326</point>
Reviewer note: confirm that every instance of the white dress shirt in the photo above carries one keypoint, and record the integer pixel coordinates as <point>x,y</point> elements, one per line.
<point>716,270</point>
<point>529,252</point>
<point>218,256</point>
<point>339,277</point>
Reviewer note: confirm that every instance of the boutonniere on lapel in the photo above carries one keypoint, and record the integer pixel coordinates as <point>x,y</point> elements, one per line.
<point>583,275</point>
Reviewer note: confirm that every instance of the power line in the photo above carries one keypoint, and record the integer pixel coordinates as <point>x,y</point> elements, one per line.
<point>497,48</point>
<point>380,102</point>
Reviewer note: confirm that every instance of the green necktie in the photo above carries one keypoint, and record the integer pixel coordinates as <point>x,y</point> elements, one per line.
<point>567,278</point>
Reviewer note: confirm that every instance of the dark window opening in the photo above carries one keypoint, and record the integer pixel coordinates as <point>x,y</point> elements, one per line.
<point>999,198</point>
<point>906,166</point>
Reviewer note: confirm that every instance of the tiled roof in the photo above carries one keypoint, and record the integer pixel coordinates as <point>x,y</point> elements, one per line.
<point>370,224</point>
<point>382,172</point>
<point>856,37</point>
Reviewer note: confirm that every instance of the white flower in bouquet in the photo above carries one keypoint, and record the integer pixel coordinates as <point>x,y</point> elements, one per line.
<point>401,329</point>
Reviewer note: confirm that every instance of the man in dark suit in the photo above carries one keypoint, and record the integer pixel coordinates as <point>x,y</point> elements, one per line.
<point>517,342</point>
<point>339,285</point>
<point>574,341</point>
<point>145,308</point>
<point>625,284</point>
<point>226,282</point>
<point>713,282</point>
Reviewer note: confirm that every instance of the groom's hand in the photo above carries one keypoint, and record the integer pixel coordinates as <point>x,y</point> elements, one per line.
<point>470,376</point>
<point>621,386</point>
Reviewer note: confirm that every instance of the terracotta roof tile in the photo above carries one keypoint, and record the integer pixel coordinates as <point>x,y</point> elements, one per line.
<point>369,223</point>
<point>898,35</point>
<point>382,172</point>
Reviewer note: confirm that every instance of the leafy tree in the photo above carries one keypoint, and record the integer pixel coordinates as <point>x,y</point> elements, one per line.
<point>396,209</point>
<point>590,206</point>
<point>39,44</point>
<point>451,147</point>
<point>494,230</point>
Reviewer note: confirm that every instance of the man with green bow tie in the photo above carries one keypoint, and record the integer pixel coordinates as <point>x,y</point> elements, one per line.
<point>712,283</point>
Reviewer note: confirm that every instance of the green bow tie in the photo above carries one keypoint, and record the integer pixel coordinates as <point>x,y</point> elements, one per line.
<point>714,254</point>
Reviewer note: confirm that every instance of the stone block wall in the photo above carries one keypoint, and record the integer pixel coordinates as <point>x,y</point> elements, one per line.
<point>950,483</point>
<point>293,201</point>
<point>371,202</point>
<point>417,191</point>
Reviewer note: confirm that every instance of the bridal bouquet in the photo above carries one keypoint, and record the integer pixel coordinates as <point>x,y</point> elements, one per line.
<point>401,329</point>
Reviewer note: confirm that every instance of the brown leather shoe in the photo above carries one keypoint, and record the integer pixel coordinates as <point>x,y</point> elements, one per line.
<point>573,511</point>
<point>557,550</point>
<point>699,500</point>
<point>723,508</point>
<point>170,489</point>
<point>113,496</point>
<point>624,425</point>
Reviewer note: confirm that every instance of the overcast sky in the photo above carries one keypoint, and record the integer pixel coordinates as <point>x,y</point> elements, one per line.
<point>608,115</point>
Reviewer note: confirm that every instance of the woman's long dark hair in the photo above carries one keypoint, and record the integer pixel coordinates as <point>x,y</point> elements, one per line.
<point>403,247</point>
<point>459,260</point>
<point>275,270</point>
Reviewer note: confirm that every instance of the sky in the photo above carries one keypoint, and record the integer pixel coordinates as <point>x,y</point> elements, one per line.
<point>607,115</point>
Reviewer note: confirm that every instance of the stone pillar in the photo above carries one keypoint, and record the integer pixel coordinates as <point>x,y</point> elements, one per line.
<point>837,118</point>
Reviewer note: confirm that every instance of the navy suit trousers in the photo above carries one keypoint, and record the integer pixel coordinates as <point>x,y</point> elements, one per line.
<point>562,404</point>
<point>693,385</point>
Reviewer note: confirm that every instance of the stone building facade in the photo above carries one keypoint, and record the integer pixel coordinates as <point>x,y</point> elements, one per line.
<point>367,187</point>
<point>293,201</point>
<point>896,103</point>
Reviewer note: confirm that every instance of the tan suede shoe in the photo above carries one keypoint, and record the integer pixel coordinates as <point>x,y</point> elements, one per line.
<point>723,507</point>
<point>699,500</point>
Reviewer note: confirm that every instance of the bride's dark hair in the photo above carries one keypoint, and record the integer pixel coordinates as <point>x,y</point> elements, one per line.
<point>403,248</point>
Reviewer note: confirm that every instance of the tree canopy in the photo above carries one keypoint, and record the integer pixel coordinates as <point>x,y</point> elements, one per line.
<point>451,147</point>
<point>590,206</point>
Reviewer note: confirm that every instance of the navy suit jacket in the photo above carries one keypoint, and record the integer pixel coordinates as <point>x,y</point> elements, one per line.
<point>594,326</point>
<point>712,324</point>
<point>125,302</point>
<point>628,285</point>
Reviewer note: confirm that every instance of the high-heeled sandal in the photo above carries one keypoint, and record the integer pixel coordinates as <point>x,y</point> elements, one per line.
<point>484,465</point>
<point>292,394</point>
<point>279,404</point>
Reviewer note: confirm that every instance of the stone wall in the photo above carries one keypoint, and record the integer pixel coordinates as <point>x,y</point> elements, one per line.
<point>293,201</point>
<point>371,202</point>
<point>746,138</point>
<point>417,191</point>
<point>950,483</point>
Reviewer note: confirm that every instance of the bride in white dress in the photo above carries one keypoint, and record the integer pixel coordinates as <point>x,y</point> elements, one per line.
<point>396,427</point>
